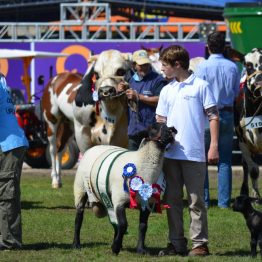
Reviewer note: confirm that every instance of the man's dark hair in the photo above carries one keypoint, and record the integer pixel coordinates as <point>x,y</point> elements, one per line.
<point>216,42</point>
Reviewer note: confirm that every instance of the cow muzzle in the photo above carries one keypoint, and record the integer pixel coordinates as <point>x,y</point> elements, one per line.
<point>106,92</point>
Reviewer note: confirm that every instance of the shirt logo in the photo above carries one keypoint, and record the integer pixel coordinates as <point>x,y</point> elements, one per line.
<point>188,97</point>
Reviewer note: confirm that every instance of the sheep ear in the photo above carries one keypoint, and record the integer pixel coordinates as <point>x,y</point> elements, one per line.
<point>143,142</point>
<point>173,129</point>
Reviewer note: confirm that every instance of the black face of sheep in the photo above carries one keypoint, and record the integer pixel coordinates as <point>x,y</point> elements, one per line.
<point>253,219</point>
<point>162,134</point>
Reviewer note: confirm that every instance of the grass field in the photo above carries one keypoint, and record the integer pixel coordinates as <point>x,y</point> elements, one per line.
<point>48,224</point>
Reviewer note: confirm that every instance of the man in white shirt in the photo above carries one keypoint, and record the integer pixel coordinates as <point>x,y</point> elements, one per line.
<point>184,103</point>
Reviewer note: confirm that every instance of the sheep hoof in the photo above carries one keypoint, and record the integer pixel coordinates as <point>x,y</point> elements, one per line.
<point>76,245</point>
<point>141,251</point>
<point>115,249</point>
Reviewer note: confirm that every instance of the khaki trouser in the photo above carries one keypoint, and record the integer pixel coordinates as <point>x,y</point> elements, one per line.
<point>10,208</point>
<point>191,174</point>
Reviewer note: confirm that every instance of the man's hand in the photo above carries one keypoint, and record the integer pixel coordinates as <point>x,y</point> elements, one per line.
<point>122,86</point>
<point>213,155</point>
<point>132,94</point>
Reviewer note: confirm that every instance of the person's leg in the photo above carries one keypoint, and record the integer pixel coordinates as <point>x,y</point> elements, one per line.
<point>10,206</point>
<point>174,198</point>
<point>194,176</point>
<point>226,131</point>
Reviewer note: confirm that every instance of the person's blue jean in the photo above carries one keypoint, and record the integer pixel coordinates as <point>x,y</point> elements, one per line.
<point>226,132</point>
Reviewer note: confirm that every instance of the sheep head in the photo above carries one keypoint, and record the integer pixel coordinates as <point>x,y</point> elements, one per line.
<point>162,134</point>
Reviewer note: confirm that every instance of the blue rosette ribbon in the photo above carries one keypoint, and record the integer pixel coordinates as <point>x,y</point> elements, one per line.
<point>145,191</point>
<point>136,182</point>
<point>95,95</point>
<point>129,171</point>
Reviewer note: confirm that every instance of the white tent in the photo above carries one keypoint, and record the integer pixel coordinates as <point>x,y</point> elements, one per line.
<point>16,53</point>
<point>26,56</point>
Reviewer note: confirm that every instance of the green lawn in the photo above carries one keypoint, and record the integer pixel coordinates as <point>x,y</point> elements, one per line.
<point>48,224</point>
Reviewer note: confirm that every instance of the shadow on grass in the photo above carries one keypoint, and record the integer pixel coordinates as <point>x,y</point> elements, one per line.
<point>151,251</point>
<point>155,251</point>
<point>238,252</point>
<point>44,246</point>
<point>38,205</point>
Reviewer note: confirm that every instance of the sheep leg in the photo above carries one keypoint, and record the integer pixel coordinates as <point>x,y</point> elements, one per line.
<point>260,243</point>
<point>79,220</point>
<point>120,230</point>
<point>143,219</point>
<point>253,244</point>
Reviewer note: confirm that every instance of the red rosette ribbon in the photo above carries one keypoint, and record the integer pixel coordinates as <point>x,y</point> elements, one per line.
<point>132,198</point>
<point>134,185</point>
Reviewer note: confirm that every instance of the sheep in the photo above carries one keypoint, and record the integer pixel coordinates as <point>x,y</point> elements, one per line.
<point>99,180</point>
<point>253,219</point>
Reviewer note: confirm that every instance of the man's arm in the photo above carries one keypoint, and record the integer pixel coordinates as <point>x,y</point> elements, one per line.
<point>161,119</point>
<point>213,117</point>
<point>213,155</point>
<point>149,100</point>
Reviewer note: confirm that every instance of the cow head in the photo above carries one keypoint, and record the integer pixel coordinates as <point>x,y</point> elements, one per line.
<point>253,65</point>
<point>110,68</point>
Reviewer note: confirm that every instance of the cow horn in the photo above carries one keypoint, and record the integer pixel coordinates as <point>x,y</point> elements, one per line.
<point>127,56</point>
<point>92,58</point>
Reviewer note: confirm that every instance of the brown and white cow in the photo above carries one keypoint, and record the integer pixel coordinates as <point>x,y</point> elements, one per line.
<point>95,113</point>
<point>249,119</point>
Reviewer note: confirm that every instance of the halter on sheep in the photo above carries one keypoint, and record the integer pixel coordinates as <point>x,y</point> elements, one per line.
<point>99,180</point>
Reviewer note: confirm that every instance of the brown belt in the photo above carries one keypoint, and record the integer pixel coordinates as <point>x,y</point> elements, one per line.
<point>227,108</point>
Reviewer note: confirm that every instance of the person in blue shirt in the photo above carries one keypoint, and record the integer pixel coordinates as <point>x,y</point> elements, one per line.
<point>144,89</point>
<point>224,78</point>
<point>13,144</point>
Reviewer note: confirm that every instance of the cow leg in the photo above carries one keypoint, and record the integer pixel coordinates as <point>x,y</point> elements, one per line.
<point>143,221</point>
<point>80,201</point>
<point>246,163</point>
<point>53,155</point>
<point>58,169</point>
<point>121,229</point>
<point>249,167</point>
<point>82,137</point>
<point>244,188</point>
<point>254,174</point>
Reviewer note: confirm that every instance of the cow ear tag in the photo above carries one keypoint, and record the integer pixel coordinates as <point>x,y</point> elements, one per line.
<point>129,171</point>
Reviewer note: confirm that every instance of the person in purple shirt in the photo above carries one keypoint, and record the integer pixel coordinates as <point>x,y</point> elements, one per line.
<point>13,144</point>
<point>144,89</point>
<point>224,78</point>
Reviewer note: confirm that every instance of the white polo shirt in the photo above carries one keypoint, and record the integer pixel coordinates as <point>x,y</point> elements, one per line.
<point>183,104</point>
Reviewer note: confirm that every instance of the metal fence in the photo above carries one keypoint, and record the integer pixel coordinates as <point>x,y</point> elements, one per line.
<point>92,22</point>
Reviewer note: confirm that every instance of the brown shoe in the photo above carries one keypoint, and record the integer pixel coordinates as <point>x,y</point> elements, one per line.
<point>199,251</point>
<point>171,251</point>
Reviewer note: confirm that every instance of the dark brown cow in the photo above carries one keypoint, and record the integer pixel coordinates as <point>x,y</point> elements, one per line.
<point>95,114</point>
